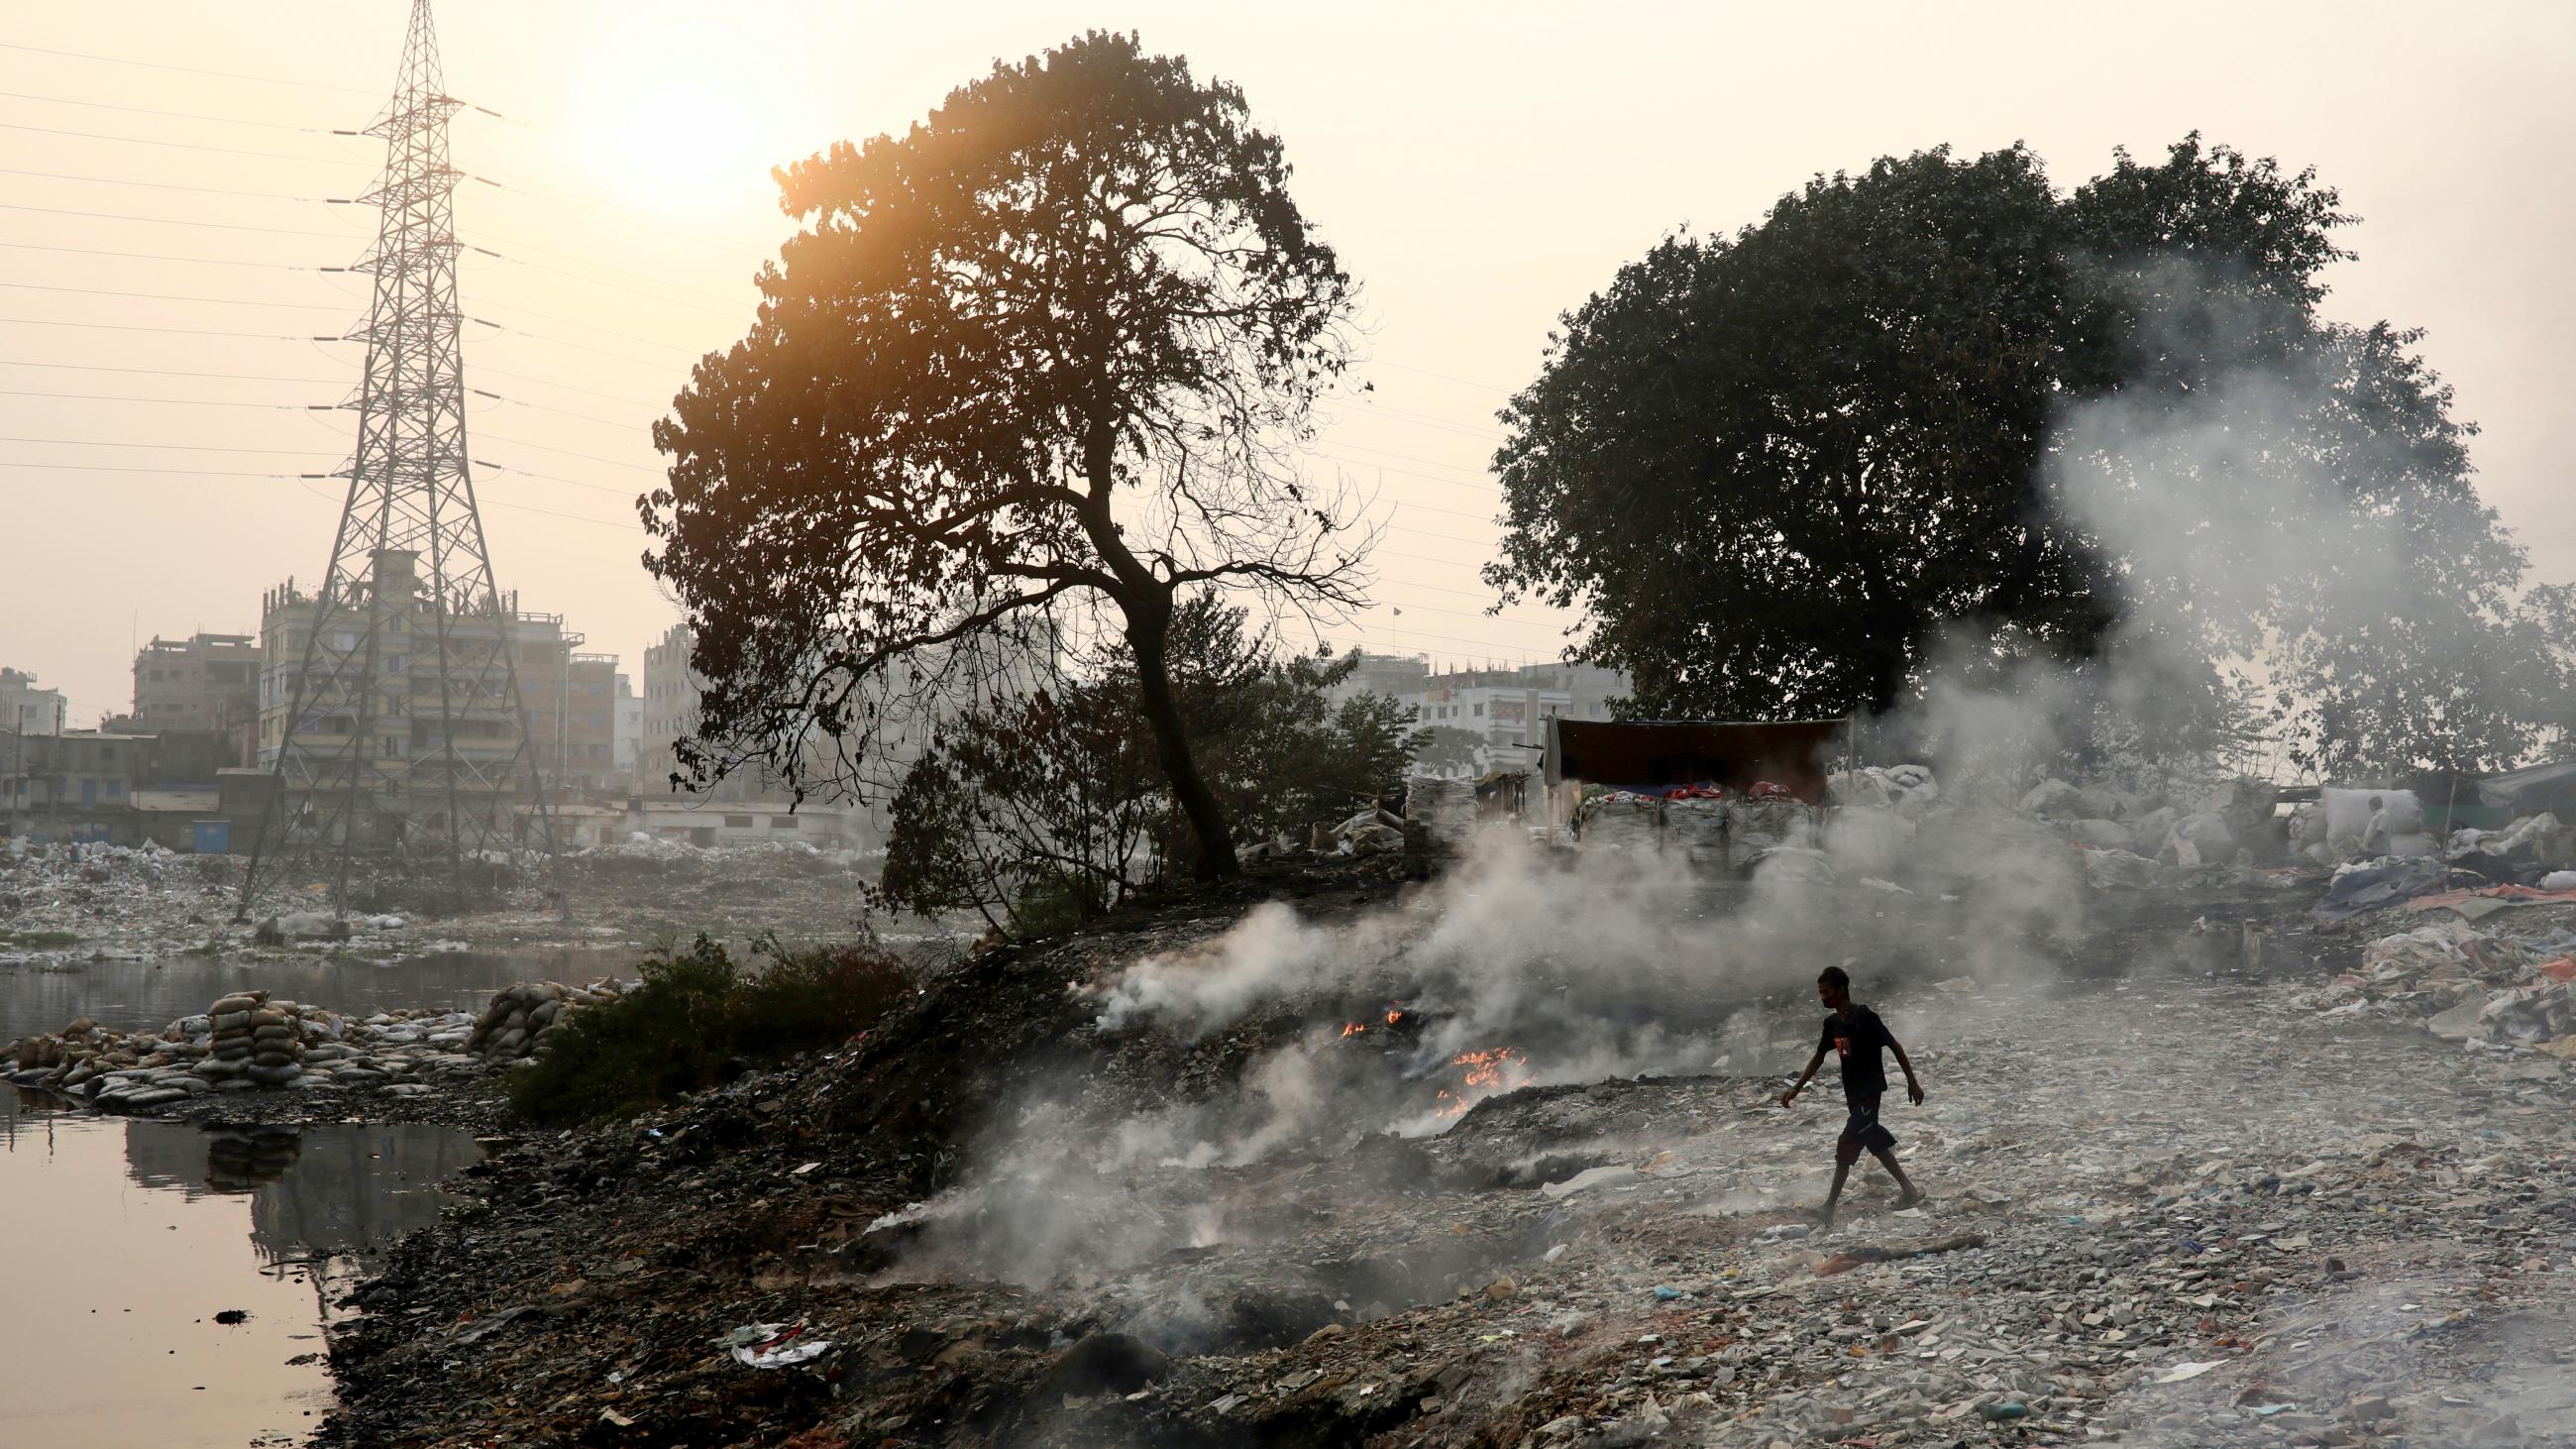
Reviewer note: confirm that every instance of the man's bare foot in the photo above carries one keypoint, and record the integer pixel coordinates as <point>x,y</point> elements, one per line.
<point>1824,1220</point>
<point>1913,1197</point>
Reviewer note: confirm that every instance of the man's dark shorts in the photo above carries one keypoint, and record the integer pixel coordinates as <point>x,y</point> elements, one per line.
<point>1862,1134</point>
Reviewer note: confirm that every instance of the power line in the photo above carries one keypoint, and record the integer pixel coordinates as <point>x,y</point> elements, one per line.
<point>1443,376</point>
<point>114,468</point>
<point>177,372</point>
<point>568,387</point>
<point>176,115</point>
<point>162,185</point>
<point>567,452</point>
<point>180,221</point>
<point>1362,407</point>
<point>594,327</point>
<point>176,331</point>
<point>576,346</point>
<point>623,423</point>
<point>165,257</point>
<point>1409,473</point>
<point>178,447</point>
<point>175,297</point>
<point>194,402</point>
<point>1406,457</point>
<point>180,145</point>
<point>187,70</point>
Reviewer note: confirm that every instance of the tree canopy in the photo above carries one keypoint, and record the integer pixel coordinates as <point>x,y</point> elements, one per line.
<point>1942,415</point>
<point>1034,367</point>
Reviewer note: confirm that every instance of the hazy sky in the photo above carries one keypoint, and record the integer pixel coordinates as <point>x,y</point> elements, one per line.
<point>1482,168</point>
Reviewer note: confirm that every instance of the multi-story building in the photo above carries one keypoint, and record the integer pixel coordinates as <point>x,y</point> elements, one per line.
<point>1503,708</point>
<point>571,703</point>
<point>670,712</point>
<point>1393,675</point>
<point>203,682</point>
<point>630,728</point>
<point>913,702</point>
<point>74,785</point>
<point>28,710</point>
<point>439,733</point>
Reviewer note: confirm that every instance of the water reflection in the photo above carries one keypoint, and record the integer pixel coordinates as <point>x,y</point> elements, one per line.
<point>149,995</point>
<point>316,1192</point>
<point>135,1235</point>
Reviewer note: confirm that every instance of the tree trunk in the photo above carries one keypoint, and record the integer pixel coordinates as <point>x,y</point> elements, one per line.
<point>1148,629</point>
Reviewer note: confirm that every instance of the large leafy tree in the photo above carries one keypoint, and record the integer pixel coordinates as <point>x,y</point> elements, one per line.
<point>1941,416</point>
<point>1035,367</point>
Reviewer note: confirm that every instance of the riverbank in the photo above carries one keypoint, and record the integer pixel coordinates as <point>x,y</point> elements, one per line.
<point>1192,1178</point>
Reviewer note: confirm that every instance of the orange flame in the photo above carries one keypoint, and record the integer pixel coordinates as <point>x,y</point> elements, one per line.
<point>1352,1029</point>
<point>1493,1070</point>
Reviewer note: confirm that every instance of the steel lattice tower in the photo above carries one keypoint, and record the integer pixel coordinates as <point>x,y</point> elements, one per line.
<point>400,742</point>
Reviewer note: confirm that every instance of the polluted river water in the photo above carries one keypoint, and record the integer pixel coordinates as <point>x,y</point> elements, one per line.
<point>170,1283</point>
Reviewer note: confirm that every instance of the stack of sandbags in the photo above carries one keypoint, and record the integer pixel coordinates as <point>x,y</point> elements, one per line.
<point>1444,808</point>
<point>232,1042</point>
<point>515,1024</point>
<point>253,1041</point>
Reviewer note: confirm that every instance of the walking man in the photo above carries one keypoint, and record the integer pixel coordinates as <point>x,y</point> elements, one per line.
<point>1855,1034</point>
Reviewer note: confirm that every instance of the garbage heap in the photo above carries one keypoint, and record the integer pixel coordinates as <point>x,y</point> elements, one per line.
<point>116,901</point>
<point>1370,832</point>
<point>515,1025</point>
<point>2498,990</point>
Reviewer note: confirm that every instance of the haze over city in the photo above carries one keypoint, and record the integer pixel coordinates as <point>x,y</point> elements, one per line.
<point>1179,725</point>
<point>1480,170</point>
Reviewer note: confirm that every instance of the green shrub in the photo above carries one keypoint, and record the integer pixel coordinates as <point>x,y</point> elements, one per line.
<point>697,1020</point>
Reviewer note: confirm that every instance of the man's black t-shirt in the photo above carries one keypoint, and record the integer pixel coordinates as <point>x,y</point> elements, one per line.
<point>1858,1036</point>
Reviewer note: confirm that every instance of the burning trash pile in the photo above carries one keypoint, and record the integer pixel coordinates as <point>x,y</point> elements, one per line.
<point>249,1040</point>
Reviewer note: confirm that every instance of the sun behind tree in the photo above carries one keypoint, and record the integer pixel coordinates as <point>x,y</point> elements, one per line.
<point>1042,361</point>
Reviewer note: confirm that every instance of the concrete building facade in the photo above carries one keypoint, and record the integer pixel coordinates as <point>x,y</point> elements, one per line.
<point>1503,708</point>
<point>28,710</point>
<point>630,729</point>
<point>203,682</point>
<point>122,789</point>
<point>570,698</point>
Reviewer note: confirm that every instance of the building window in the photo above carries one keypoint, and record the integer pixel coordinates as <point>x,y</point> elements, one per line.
<point>115,789</point>
<point>783,822</point>
<point>737,822</point>
<point>1480,709</point>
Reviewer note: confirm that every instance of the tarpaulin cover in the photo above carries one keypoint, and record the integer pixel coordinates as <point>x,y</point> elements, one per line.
<point>1654,755</point>
<point>2357,891</point>
<point>2542,787</point>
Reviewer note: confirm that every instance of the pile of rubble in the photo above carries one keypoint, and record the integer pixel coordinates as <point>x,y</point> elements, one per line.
<point>64,902</point>
<point>1371,832</point>
<point>249,1040</point>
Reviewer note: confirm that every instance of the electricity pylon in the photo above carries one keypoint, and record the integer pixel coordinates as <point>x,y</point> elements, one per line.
<point>390,714</point>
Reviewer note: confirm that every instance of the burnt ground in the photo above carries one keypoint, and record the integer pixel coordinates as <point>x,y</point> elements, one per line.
<point>2167,1207</point>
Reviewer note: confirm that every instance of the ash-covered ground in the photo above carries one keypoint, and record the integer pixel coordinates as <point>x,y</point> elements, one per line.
<point>1495,1158</point>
